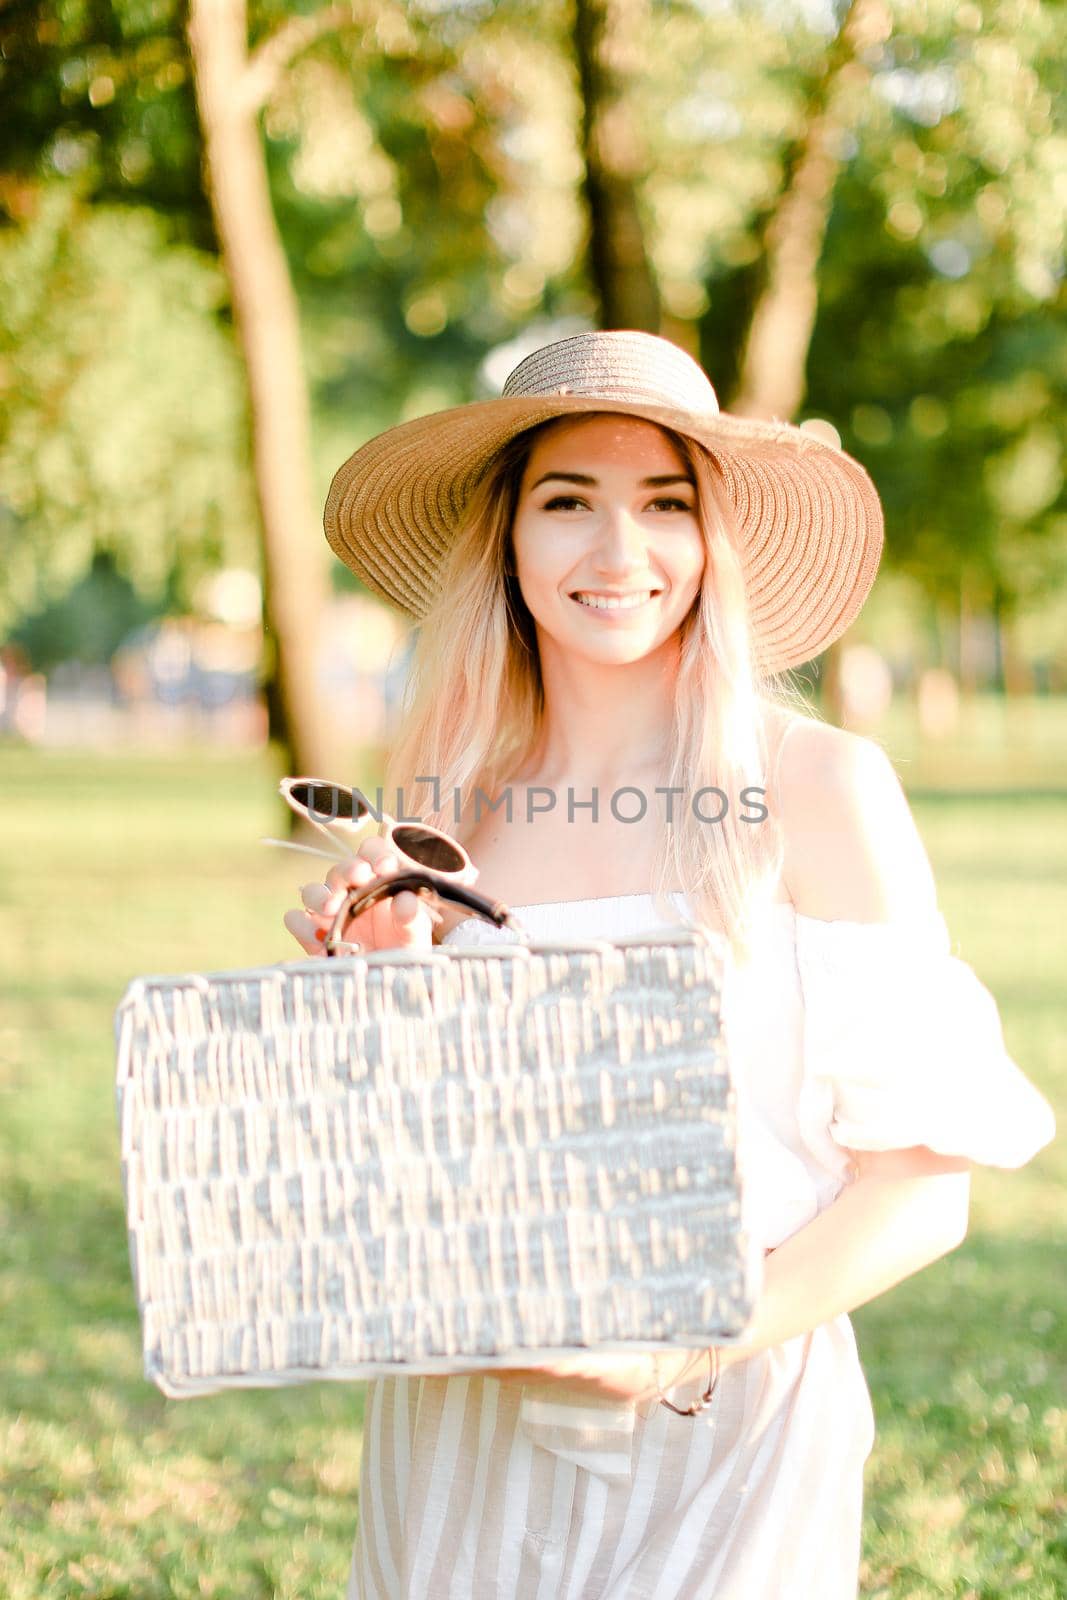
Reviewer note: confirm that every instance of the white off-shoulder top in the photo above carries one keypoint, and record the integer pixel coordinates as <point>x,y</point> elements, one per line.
<point>842,1036</point>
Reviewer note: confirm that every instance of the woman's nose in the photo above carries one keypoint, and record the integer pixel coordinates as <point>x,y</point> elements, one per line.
<point>621,545</point>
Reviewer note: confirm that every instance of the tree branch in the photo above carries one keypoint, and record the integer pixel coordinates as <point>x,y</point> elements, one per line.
<point>268,61</point>
<point>774,351</point>
<point>605,36</point>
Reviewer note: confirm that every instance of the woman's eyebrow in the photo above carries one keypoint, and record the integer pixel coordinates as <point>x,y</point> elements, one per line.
<point>646,483</point>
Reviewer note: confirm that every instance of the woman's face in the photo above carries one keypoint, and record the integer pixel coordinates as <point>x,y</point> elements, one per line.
<point>608,549</point>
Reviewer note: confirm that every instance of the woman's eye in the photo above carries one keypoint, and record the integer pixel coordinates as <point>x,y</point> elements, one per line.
<point>562,500</point>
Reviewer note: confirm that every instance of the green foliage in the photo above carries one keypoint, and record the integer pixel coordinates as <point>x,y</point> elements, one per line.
<point>941,347</point>
<point>102,93</point>
<point>87,624</point>
<point>424,177</point>
<point>427,181</point>
<point>122,415</point>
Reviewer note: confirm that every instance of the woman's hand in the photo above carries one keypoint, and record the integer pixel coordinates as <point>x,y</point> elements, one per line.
<point>635,1378</point>
<point>402,922</point>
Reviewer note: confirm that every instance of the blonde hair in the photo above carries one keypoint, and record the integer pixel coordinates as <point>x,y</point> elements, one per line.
<point>474,699</point>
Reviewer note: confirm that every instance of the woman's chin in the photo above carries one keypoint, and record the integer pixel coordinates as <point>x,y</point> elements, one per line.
<point>611,649</point>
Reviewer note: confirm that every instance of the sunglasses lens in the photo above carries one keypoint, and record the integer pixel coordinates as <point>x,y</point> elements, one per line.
<point>429,849</point>
<point>328,802</point>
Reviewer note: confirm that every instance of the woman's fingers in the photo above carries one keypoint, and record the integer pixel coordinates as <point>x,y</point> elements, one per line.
<point>606,1376</point>
<point>315,896</point>
<point>357,874</point>
<point>402,921</point>
<point>406,920</point>
<point>412,921</point>
<point>350,874</point>
<point>376,857</point>
<point>304,930</point>
<point>397,921</point>
<point>406,907</point>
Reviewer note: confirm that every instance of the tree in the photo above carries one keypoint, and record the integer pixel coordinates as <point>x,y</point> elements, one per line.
<point>109,326</point>
<point>940,348</point>
<point>229,92</point>
<point>428,182</point>
<point>772,368</point>
<point>773,359</point>
<point>605,37</point>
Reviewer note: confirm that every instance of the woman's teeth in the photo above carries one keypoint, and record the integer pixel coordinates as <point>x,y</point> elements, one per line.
<point>601,603</point>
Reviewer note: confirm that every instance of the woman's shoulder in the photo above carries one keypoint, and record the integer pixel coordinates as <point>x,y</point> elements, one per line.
<point>812,749</point>
<point>852,848</point>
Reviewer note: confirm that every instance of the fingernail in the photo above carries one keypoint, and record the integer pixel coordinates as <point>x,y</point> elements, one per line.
<point>320,934</point>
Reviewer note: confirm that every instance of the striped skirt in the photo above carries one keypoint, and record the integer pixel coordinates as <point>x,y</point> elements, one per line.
<point>475,1490</point>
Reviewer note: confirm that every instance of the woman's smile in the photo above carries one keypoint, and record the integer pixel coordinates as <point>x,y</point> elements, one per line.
<point>615,608</point>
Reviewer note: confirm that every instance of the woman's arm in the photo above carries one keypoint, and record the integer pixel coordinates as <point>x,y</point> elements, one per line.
<point>853,853</point>
<point>879,1231</point>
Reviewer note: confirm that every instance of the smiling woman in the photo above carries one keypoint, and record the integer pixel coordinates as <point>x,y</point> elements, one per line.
<point>628,556</point>
<point>531,587</point>
<point>611,578</point>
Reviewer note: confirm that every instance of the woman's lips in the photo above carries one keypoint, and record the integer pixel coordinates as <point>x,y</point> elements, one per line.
<point>628,610</point>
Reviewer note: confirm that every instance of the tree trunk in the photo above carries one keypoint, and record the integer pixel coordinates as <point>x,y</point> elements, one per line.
<point>774,349</point>
<point>619,265</point>
<point>967,653</point>
<point>267,319</point>
<point>1016,672</point>
<point>831,687</point>
<point>772,370</point>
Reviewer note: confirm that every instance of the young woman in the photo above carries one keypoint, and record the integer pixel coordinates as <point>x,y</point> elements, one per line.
<point>611,578</point>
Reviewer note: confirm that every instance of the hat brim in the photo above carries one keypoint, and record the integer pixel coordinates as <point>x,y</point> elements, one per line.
<point>809,519</point>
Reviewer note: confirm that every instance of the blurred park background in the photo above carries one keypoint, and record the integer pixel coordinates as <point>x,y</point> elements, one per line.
<point>235,242</point>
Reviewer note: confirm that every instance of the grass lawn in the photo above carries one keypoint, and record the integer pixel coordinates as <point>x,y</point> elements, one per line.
<point>115,866</point>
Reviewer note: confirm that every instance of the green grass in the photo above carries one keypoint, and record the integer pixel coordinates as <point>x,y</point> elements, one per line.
<point>114,867</point>
<point>998,745</point>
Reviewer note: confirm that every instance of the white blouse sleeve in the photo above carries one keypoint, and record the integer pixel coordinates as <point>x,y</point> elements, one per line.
<point>903,1045</point>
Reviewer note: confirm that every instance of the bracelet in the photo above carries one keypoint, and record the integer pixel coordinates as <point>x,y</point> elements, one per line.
<point>705,1399</point>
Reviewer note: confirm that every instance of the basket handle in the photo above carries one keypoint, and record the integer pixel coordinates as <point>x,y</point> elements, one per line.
<point>421,882</point>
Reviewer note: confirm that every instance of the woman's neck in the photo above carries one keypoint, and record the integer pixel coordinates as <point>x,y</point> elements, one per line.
<point>602,724</point>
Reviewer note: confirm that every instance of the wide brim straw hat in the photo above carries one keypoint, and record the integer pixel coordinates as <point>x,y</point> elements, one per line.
<point>808,519</point>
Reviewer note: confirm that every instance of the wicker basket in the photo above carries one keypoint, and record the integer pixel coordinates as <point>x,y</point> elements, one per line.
<point>424,1162</point>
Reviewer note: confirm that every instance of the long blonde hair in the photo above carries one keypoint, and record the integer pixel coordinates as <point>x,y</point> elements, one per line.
<point>474,699</point>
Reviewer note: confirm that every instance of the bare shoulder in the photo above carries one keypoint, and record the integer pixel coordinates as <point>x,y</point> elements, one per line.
<point>853,851</point>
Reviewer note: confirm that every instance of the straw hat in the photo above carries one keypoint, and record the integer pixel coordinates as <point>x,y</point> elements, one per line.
<point>808,517</point>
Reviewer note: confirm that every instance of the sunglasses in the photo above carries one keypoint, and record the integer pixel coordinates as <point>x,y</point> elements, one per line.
<point>427,885</point>
<point>341,815</point>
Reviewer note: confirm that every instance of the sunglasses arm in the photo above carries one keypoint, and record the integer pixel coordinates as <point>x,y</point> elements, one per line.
<point>306,849</point>
<point>420,882</point>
